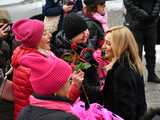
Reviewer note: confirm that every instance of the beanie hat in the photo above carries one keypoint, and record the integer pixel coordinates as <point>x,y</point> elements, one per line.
<point>28,31</point>
<point>4,15</point>
<point>73,25</point>
<point>49,78</point>
<point>93,2</point>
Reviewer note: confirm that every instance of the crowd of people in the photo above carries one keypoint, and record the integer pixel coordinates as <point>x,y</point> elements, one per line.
<point>83,61</point>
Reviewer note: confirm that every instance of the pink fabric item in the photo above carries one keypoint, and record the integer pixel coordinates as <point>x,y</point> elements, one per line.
<point>48,73</point>
<point>97,55</point>
<point>28,31</point>
<point>54,105</point>
<point>102,20</point>
<point>95,112</point>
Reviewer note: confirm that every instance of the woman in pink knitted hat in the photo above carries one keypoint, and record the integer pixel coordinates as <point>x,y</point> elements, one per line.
<point>29,33</point>
<point>34,39</point>
<point>51,85</point>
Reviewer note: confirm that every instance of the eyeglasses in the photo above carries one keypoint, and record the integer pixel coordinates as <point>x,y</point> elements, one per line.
<point>69,80</point>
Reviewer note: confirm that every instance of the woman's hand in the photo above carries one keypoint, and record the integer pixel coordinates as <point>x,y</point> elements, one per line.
<point>3,29</point>
<point>77,78</point>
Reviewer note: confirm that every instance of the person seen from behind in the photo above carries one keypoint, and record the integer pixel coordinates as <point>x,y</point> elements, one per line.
<point>51,84</point>
<point>30,33</point>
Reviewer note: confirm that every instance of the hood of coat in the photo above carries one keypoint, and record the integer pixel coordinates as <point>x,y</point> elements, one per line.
<point>18,53</point>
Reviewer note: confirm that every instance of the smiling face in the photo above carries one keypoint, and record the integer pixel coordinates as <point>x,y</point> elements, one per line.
<point>107,46</point>
<point>45,41</point>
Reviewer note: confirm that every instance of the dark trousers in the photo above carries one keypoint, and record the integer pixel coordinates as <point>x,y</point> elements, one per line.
<point>146,37</point>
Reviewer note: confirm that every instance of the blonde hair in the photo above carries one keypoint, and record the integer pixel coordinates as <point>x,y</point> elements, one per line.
<point>124,41</point>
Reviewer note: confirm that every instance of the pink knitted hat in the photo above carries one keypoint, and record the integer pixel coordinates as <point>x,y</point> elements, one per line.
<point>28,31</point>
<point>48,74</point>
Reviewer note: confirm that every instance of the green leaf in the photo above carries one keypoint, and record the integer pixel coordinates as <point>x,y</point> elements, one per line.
<point>67,58</point>
<point>82,66</point>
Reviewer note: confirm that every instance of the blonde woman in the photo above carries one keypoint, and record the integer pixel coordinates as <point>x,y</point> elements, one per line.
<point>124,86</point>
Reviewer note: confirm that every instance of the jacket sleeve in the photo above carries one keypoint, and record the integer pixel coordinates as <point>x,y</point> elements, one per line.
<point>135,11</point>
<point>60,46</point>
<point>52,8</point>
<point>142,105</point>
<point>96,34</point>
<point>78,6</point>
<point>21,87</point>
<point>124,95</point>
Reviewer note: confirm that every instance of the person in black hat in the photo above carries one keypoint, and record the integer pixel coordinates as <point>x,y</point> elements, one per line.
<point>74,25</point>
<point>72,42</point>
<point>75,28</point>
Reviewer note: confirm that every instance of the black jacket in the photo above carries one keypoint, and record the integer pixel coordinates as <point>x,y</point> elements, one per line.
<point>142,12</point>
<point>124,91</point>
<point>4,55</point>
<point>38,113</point>
<point>91,82</point>
<point>55,8</point>
<point>95,29</point>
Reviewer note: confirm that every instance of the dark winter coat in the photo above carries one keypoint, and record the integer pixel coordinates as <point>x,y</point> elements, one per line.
<point>142,12</point>
<point>96,31</point>
<point>55,8</point>
<point>91,82</point>
<point>32,112</point>
<point>124,91</point>
<point>6,107</point>
<point>4,55</point>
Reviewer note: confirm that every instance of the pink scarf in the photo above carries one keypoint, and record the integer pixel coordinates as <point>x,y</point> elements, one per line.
<point>102,20</point>
<point>48,104</point>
